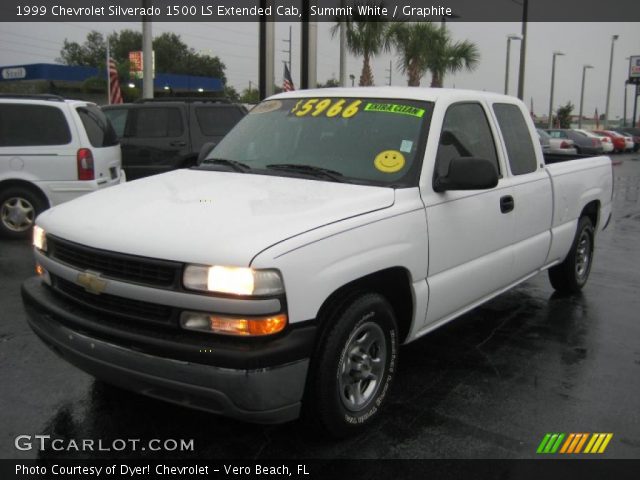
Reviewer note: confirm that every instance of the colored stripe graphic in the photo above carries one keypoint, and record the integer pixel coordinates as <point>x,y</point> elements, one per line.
<point>567,443</point>
<point>550,443</point>
<point>572,443</point>
<point>543,443</point>
<point>598,443</point>
<point>582,441</point>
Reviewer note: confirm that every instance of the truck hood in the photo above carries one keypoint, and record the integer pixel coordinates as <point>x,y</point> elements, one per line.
<point>208,217</point>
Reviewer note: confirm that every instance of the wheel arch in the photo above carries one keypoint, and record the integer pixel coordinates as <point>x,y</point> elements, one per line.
<point>393,283</point>
<point>19,183</point>
<point>592,211</point>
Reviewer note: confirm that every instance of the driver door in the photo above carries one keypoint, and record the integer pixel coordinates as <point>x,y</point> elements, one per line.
<point>470,232</point>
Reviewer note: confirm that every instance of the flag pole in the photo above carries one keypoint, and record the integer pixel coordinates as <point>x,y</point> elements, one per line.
<point>108,75</point>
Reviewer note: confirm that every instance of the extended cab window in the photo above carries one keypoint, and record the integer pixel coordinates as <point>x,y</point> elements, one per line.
<point>158,122</point>
<point>465,133</point>
<point>32,125</point>
<point>374,141</point>
<point>517,138</point>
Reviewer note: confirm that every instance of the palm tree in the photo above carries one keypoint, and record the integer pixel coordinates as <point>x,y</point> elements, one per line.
<point>412,41</point>
<point>424,46</point>
<point>445,56</point>
<point>366,36</point>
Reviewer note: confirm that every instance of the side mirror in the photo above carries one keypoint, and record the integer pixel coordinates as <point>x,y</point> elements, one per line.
<point>204,151</point>
<point>467,173</point>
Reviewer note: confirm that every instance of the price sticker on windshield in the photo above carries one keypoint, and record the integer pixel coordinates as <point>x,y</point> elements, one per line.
<point>326,107</point>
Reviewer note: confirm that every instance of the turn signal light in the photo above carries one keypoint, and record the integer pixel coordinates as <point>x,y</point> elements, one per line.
<point>247,327</point>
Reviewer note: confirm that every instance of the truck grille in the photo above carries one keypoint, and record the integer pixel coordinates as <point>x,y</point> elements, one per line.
<point>114,305</point>
<point>129,268</point>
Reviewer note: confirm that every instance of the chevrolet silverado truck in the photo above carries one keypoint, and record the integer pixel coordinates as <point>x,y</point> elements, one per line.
<point>278,277</point>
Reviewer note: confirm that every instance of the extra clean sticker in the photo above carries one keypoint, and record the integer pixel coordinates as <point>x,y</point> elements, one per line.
<point>395,108</point>
<point>389,161</point>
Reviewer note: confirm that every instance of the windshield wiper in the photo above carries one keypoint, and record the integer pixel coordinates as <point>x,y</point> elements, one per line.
<point>233,164</point>
<point>310,170</point>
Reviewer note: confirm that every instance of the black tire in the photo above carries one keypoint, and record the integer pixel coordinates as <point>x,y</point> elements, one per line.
<point>572,274</point>
<point>19,208</point>
<point>353,368</point>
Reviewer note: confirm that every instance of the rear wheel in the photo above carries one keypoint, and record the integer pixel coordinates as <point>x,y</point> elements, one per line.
<point>572,274</point>
<point>19,208</point>
<point>354,367</point>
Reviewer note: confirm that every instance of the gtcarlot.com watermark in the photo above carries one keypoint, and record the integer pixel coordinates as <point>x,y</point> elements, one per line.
<point>47,443</point>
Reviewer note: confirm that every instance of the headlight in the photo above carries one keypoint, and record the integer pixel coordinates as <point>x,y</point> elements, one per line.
<point>234,280</point>
<point>39,238</point>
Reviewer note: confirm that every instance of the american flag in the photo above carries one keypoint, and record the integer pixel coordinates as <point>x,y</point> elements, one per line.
<point>287,84</point>
<point>115,95</point>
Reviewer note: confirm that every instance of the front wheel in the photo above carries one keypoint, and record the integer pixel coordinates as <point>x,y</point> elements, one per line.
<point>572,274</point>
<point>354,367</point>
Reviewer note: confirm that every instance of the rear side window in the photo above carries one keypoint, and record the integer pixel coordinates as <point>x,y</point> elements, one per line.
<point>517,139</point>
<point>158,122</point>
<point>118,118</point>
<point>32,125</point>
<point>217,121</point>
<point>465,133</point>
<point>97,126</point>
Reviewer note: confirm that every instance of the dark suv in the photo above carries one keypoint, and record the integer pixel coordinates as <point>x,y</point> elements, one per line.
<point>158,135</point>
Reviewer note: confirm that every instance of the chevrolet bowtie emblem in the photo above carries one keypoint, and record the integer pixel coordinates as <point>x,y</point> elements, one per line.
<point>92,282</point>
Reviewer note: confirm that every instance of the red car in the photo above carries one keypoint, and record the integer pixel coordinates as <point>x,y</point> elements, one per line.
<point>617,140</point>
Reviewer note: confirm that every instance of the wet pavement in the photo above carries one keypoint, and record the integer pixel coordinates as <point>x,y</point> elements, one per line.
<point>488,385</point>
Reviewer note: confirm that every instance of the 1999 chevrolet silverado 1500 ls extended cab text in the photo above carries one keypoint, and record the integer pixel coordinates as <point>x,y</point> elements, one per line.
<point>328,227</point>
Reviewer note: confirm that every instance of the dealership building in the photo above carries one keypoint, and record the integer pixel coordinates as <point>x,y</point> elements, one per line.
<point>89,83</point>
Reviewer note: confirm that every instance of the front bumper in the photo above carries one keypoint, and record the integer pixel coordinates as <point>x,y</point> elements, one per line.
<point>263,395</point>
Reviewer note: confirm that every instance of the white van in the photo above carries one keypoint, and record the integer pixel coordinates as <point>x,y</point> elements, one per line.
<point>51,150</point>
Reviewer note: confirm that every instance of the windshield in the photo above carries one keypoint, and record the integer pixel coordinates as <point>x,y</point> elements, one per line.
<point>355,140</point>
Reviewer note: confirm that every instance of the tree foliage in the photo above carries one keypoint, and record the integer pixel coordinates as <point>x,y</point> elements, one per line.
<point>250,96</point>
<point>172,55</point>
<point>332,82</point>
<point>230,93</point>
<point>366,36</point>
<point>446,56</point>
<point>563,115</point>
<point>412,42</point>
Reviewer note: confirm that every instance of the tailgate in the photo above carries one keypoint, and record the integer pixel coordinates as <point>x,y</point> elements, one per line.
<point>107,162</point>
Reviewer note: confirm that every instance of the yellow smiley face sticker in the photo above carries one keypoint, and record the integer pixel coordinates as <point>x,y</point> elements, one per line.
<point>389,161</point>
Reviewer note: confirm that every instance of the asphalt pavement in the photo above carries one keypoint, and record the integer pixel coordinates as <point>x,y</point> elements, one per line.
<point>490,384</point>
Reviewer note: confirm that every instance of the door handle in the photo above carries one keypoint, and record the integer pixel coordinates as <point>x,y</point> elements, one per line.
<point>178,143</point>
<point>507,204</point>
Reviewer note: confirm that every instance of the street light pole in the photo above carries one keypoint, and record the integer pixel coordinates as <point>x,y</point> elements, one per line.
<point>606,109</point>
<point>624,109</point>
<point>553,77</point>
<point>506,71</point>
<point>584,71</point>
<point>523,48</point>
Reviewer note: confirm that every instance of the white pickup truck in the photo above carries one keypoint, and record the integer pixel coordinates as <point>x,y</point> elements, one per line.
<point>279,277</point>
